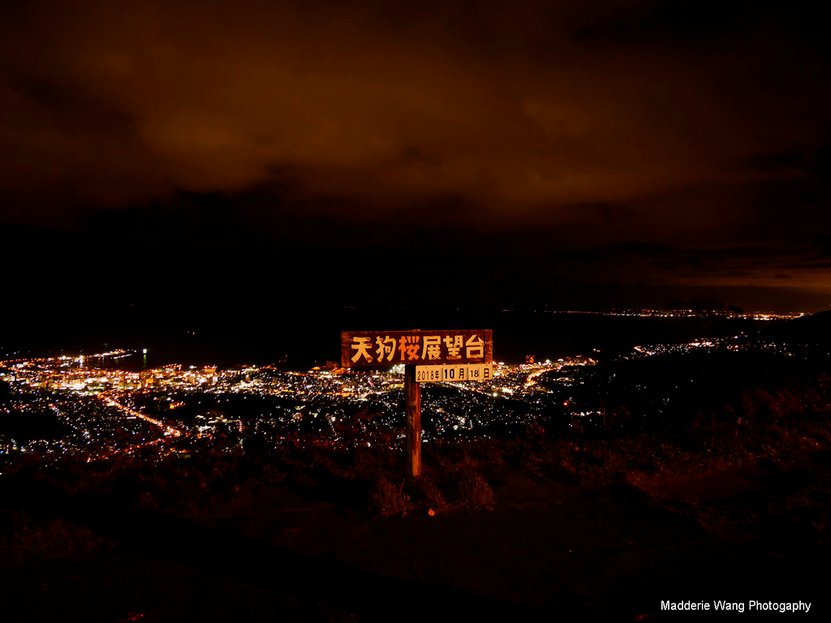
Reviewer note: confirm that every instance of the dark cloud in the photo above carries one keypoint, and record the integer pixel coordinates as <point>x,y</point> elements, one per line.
<point>549,133</point>
<point>699,22</point>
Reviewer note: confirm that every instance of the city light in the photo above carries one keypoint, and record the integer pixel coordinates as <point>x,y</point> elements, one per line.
<point>109,409</point>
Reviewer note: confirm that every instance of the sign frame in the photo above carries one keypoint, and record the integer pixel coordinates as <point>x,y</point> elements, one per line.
<point>378,350</point>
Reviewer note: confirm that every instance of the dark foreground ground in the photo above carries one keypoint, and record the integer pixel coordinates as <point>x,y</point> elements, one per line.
<point>529,529</point>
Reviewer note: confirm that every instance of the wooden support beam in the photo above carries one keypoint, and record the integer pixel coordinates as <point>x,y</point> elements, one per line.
<point>412,393</point>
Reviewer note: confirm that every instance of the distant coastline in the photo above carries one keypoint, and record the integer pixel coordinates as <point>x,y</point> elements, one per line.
<point>299,339</point>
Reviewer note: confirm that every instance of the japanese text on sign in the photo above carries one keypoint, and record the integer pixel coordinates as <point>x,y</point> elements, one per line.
<point>448,373</point>
<point>380,349</point>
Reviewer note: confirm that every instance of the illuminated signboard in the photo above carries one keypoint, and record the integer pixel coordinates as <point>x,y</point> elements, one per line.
<point>382,349</point>
<point>449,373</point>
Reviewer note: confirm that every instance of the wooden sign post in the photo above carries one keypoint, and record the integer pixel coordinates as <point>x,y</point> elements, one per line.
<point>412,393</point>
<point>428,356</point>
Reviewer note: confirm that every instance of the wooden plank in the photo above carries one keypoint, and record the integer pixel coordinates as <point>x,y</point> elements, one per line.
<point>452,373</point>
<point>373,350</point>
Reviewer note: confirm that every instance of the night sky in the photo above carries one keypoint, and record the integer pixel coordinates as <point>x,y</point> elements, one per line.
<point>570,153</point>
